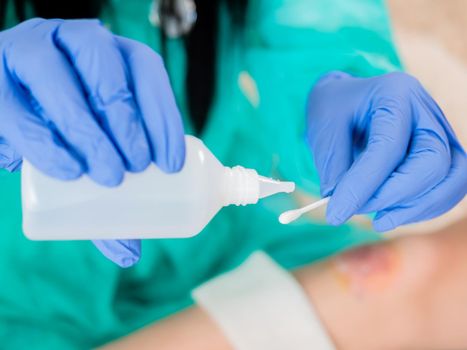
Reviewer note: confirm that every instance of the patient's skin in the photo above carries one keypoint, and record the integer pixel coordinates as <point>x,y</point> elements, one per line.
<point>367,269</point>
<point>406,294</point>
<point>363,297</point>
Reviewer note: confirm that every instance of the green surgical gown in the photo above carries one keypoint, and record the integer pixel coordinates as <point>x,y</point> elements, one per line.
<point>66,295</point>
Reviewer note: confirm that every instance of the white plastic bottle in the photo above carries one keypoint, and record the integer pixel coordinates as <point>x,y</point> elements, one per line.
<point>151,204</point>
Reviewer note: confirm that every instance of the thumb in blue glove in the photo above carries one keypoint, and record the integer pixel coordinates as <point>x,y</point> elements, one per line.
<point>383,145</point>
<point>124,253</point>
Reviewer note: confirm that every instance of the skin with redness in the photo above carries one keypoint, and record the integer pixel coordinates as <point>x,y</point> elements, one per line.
<point>367,269</point>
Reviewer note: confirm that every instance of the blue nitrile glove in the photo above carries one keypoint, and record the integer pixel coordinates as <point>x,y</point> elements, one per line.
<point>383,145</point>
<point>76,99</point>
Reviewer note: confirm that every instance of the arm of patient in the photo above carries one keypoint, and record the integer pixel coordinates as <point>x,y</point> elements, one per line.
<point>407,293</point>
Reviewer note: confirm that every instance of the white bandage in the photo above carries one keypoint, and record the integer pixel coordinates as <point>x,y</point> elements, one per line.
<point>260,306</point>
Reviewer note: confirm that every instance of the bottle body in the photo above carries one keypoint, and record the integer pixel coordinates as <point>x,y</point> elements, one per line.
<point>151,204</point>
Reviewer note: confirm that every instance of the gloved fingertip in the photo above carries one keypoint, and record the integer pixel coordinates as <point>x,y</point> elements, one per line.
<point>178,163</point>
<point>115,180</point>
<point>174,163</point>
<point>334,220</point>
<point>384,223</point>
<point>108,176</point>
<point>67,170</point>
<point>338,212</point>
<point>139,164</point>
<point>136,152</point>
<point>336,74</point>
<point>70,176</point>
<point>326,190</point>
<point>178,154</point>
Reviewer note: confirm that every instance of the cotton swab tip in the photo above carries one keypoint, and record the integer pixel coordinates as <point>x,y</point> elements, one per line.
<point>289,216</point>
<point>292,215</point>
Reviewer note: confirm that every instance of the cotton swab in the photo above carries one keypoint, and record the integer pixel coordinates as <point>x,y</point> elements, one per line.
<point>292,215</point>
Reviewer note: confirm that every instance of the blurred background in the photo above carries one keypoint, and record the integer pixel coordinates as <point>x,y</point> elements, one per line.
<point>432,39</point>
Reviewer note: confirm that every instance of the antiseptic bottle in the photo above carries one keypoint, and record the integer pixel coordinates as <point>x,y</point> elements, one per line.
<point>150,204</point>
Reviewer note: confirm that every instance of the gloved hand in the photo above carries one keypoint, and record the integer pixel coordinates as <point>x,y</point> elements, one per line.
<point>76,99</point>
<point>383,145</point>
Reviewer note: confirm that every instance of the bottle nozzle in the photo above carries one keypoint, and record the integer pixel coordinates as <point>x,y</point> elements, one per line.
<point>245,186</point>
<point>268,187</point>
